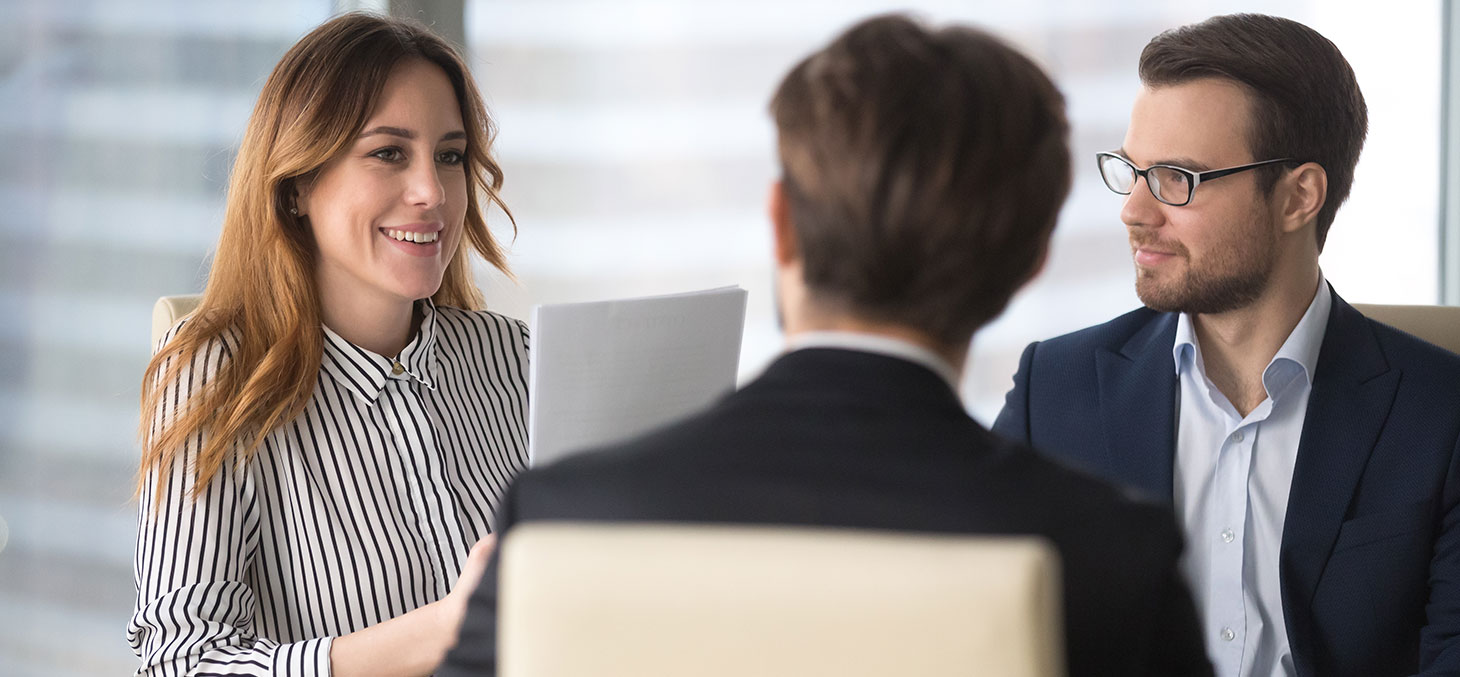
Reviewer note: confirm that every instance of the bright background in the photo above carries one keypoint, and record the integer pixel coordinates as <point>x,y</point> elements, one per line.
<point>637,150</point>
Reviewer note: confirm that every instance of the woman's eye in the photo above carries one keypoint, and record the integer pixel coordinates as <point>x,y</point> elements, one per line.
<point>389,154</point>
<point>451,157</point>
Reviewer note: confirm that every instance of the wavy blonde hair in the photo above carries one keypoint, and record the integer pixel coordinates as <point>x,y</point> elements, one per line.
<point>261,292</point>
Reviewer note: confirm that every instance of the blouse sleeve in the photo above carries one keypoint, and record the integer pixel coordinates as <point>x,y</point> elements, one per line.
<point>195,610</point>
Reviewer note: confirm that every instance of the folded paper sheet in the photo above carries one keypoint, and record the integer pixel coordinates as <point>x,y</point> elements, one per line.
<point>608,370</point>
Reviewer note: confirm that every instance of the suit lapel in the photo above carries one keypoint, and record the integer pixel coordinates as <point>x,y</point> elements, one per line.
<point>1353,389</point>
<point>1137,405</point>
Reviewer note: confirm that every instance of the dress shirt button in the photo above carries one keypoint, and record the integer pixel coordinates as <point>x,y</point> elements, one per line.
<point>1228,635</point>
<point>1237,436</point>
<point>396,368</point>
<point>1228,535</point>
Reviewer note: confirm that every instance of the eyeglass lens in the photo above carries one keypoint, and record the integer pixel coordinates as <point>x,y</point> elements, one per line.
<point>1168,185</point>
<point>1119,176</point>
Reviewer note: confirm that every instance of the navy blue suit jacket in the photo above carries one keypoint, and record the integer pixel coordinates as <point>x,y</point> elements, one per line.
<point>1370,554</point>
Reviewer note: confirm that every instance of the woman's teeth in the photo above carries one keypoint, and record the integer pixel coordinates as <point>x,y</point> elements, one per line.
<point>411,236</point>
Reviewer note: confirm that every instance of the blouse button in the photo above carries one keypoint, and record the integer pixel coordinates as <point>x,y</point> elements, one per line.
<point>396,368</point>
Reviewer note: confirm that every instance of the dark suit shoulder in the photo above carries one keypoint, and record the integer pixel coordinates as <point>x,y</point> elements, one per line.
<point>1409,352</point>
<point>1426,411</point>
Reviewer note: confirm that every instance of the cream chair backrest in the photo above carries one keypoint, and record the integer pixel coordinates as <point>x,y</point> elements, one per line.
<point>1439,325</point>
<point>168,310</point>
<point>712,601</point>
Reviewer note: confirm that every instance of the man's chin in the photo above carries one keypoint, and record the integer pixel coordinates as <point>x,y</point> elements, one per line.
<point>1164,296</point>
<point>1196,300</point>
<point>1161,303</point>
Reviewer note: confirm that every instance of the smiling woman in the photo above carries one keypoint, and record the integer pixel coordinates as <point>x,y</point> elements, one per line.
<point>387,213</point>
<point>330,433</point>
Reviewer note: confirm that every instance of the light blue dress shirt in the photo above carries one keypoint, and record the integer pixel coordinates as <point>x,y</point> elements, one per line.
<point>1231,484</point>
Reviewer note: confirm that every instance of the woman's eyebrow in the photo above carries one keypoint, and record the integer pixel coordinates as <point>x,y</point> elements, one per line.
<point>408,133</point>
<point>389,131</point>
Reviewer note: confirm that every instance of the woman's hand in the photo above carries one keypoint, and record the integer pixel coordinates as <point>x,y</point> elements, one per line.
<point>414,643</point>
<point>453,606</point>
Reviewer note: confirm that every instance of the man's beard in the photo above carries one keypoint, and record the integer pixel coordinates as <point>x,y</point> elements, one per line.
<point>1226,281</point>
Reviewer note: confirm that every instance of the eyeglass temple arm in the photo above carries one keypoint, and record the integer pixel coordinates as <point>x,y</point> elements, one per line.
<point>1219,173</point>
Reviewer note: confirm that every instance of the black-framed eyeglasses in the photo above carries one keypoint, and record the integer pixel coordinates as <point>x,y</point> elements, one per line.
<point>1171,185</point>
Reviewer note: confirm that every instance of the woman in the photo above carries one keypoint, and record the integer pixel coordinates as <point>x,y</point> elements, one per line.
<point>329,434</point>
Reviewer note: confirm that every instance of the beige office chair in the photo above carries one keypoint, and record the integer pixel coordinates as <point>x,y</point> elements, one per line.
<point>168,310</point>
<point>713,601</point>
<point>1439,325</point>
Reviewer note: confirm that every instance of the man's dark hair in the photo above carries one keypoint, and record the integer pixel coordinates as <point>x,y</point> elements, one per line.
<point>924,171</point>
<point>1306,103</point>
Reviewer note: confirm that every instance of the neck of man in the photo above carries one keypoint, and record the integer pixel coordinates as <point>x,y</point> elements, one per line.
<point>1237,345</point>
<point>380,325</point>
<point>801,313</point>
<point>800,317</point>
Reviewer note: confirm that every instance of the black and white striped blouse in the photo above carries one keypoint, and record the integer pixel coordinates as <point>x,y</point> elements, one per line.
<point>361,509</point>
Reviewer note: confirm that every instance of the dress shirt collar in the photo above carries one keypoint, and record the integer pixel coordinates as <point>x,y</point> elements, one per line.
<point>364,373</point>
<point>1298,355</point>
<point>878,344</point>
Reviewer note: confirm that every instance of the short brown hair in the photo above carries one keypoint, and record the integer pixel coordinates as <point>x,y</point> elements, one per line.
<point>1306,102</point>
<point>924,171</point>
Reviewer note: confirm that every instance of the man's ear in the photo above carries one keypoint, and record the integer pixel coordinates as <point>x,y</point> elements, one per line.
<point>784,231</point>
<point>1304,191</point>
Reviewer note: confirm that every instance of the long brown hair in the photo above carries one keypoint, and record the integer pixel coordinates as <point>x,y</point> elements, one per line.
<point>261,295</point>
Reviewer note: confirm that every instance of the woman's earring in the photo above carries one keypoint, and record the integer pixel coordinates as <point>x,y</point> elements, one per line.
<point>294,211</point>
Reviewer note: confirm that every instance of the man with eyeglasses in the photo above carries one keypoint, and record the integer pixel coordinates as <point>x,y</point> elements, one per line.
<point>1312,456</point>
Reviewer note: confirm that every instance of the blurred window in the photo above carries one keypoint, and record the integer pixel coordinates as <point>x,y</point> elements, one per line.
<point>118,122</point>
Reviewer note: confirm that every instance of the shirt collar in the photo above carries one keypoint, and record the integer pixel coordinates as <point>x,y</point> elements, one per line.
<point>1300,349</point>
<point>365,373</point>
<point>876,343</point>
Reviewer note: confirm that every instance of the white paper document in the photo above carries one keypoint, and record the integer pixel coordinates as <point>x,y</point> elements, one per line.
<point>608,370</point>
